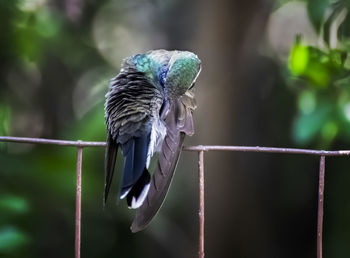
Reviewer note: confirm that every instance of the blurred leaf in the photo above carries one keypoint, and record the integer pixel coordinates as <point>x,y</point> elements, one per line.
<point>306,126</point>
<point>5,116</point>
<point>347,61</point>
<point>344,82</point>
<point>329,131</point>
<point>11,239</point>
<point>344,27</point>
<point>298,58</point>
<point>31,5</point>
<point>29,45</point>
<point>318,74</point>
<point>310,63</point>
<point>47,23</point>
<point>346,111</point>
<point>316,10</point>
<point>13,204</point>
<point>337,58</point>
<point>307,102</point>
<point>335,10</point>
<point>33,29</point>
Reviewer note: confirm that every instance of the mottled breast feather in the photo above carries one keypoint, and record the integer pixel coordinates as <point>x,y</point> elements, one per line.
<point>129,104</point>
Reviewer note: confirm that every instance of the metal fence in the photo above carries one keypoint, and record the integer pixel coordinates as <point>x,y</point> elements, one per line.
<point>200,149</point>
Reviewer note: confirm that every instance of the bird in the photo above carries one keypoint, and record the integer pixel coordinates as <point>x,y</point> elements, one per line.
<point>149,109</point>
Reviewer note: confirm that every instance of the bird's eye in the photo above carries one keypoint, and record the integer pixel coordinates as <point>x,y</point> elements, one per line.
<point>191,86</point>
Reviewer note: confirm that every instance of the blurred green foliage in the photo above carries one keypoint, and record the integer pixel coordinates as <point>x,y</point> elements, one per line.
<point>12,239</point>
<point>53,76</point>
<point>320,76</point>
<point>45,51</point>
<point>56,58</point>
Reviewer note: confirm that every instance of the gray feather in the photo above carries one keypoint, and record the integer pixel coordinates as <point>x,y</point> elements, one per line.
<point>150,97</point>
<point>178,123</point>
<point>131,103</point>
<point>111,156</point>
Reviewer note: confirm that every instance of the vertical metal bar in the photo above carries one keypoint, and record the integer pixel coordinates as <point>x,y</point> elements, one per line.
<point>201,203</point>
<point>78,203</point>
<point>320,206</point>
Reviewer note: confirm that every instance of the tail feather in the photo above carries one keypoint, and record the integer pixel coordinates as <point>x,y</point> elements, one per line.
<point>110,158</point>
<point>128,170</point>
<point>139,191</point>
<point>135,174</point>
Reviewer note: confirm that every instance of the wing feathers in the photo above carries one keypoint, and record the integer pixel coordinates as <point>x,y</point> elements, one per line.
<point>135,155</point>
<point>130,105</point>
<point>110,158</point>
<point>167,161</point>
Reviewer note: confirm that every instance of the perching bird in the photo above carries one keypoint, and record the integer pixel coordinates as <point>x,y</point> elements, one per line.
<point>149,109</point>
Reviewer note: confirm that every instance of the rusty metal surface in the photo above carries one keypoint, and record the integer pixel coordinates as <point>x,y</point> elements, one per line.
<point>201,203</point>
<point>320,206</point>
<point>78,204</point>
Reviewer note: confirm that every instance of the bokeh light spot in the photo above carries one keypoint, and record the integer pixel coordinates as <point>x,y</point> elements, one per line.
<point>307,102</point>
<point>347,110</point>
<point>329,130</point>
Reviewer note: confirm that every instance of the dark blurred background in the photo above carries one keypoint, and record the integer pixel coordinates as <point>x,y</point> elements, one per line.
<point>275,73</point>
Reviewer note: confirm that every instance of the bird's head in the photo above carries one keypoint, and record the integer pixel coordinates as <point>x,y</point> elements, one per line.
<point>174,71</point>
<point>183,70</point>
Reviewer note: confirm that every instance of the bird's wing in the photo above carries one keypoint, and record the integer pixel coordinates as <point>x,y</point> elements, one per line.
<point>110,158</point>
<point>178,122</point>
<point>130,102</point>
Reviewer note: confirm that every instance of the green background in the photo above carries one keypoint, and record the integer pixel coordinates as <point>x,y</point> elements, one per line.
<point>275,73</point>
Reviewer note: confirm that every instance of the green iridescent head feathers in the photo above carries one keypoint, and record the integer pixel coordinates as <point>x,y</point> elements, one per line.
<point>175,71</point>
<point>184,68</point>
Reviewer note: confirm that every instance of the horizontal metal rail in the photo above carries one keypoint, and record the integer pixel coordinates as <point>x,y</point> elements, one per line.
<point>200,149</point>
<point>197,148</point>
